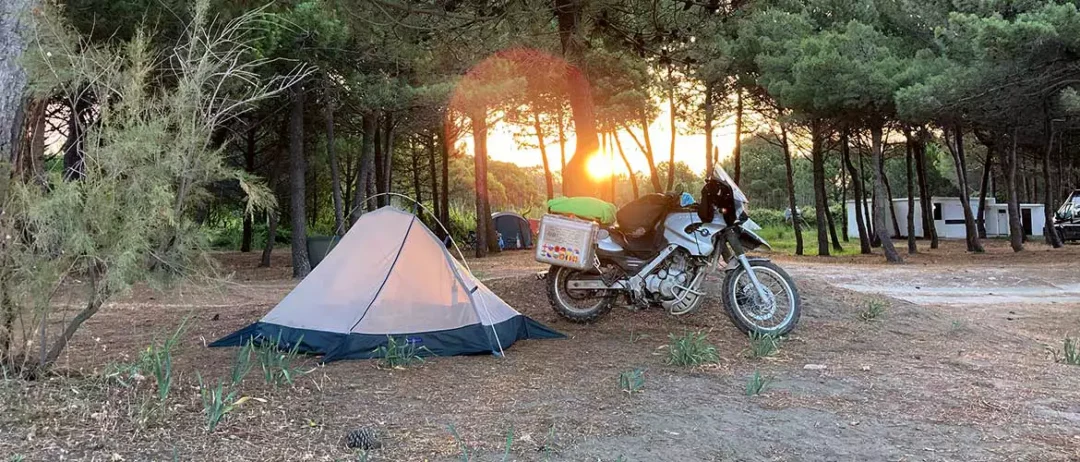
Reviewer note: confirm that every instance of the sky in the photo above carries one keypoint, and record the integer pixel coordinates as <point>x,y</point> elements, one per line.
<point>689,146</point>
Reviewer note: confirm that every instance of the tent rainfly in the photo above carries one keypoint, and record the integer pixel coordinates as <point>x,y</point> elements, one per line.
<point>390,277</point>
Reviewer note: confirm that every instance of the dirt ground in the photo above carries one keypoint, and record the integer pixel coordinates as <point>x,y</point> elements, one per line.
<point>966,375</point>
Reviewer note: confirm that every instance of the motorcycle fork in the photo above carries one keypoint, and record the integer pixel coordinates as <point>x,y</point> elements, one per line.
<point>732,239</point>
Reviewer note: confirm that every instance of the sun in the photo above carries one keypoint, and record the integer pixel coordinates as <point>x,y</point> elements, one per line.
<point>599,166</point>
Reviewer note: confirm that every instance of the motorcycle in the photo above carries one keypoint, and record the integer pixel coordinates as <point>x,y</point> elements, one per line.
<point>666,264</point>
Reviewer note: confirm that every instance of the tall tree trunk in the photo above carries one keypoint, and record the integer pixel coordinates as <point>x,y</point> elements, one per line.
<point>795,218</point>
<point>97,297</point>
<point>388,154</point>
<point>14,23</point>
<point>548,181</point>
<point>576,181</point>
<point>646,149</point>
<point>73,143</point>
<point>444,198</point>
<point>832,228</point>
<point>335,175</point>
<point>908,163</point>
<point>671,109</point>
<point>379,172</point>
<point>892,204</point>
<point>249,165</point>
<point>629,169</point>
<point>737,154</point>
<point>1016,229</point>
<point>843,202</point>
<point>1049,206</point>
<point>271,238</point>
<point>298,165</point>
<point>817,155</point>
<point>971,231</point>
<point>483,217</point>
<point>984,188</point>
<point>709,89</point>
<point>857,193</point>
<point>418,194</point>
<point>364,166</point>
<point>435,204</point>
<point>562,140</point>
<point>925,201</point>
<point>871,210</point>
<point>879,195</point>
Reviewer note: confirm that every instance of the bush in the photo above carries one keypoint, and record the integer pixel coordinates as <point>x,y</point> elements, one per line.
<point>767,217</point>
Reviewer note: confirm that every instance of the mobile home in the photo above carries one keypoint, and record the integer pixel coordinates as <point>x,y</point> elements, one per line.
<point>948,213</point>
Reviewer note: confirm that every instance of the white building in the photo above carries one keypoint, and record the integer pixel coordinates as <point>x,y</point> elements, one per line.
<point>949,217</point>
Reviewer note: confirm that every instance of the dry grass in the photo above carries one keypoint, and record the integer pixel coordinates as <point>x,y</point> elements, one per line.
<point>891,388</point>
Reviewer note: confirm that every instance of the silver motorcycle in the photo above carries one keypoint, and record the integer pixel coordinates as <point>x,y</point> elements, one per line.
<point>666,264</point>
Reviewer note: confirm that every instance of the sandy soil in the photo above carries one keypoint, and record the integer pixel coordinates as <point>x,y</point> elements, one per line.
<point>928,381</point>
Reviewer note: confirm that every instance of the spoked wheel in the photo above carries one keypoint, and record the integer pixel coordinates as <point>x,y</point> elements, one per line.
<point>577,305</point>
<point>777,314</point>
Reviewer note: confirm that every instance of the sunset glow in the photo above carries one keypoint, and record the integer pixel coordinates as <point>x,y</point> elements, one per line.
<point>599,166</point>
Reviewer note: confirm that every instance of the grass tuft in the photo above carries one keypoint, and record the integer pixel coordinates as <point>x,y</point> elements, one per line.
<point>216,402</point>
<point>690,349</point>
<point>278,365</point>
<point>243,363</point>
<point>1070,353</point>
<point>632,381</point>
<point>875,309</point>
<point>461,443</point>
<point>399,353</point>
<point>763,345</point>
<point>757,384</point>
<point>158,359</point>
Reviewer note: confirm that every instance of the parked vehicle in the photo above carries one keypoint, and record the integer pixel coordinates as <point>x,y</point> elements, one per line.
<point>660,254</point>
<point>1067,218</point>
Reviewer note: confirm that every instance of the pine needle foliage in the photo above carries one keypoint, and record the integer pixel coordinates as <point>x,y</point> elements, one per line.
<point>126,215</point>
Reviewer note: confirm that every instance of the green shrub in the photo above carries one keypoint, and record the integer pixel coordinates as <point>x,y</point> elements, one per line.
<point>762,345</point>
<point>756,384</point>
<point>1070,353</point>
<point>632,381</point>
<point>399,353</point>
<point>690,349</point>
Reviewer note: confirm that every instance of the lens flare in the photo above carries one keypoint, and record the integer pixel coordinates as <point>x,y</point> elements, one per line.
<point>599,166</point>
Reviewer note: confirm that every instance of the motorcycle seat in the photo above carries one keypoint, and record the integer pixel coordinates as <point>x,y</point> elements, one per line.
<point>641,245</point>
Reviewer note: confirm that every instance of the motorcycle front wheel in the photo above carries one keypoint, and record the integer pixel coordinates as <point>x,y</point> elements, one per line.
<point>576,305</point>
<point>777,315</point>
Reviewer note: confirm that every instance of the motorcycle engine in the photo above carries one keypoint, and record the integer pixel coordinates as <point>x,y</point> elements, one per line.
<point>675,271</point>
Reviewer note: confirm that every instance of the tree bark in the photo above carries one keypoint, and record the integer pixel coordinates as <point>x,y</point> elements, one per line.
<point>576,181</point>
<point>908,163</point>
<point>365,165</point>
<point>97,298</point>
<point>737,154</point>
<point>671,109</point>
<point>980,219</point>
<point>417,191</point>
<point>444,198</point>
<point>484,226</point>
<point>879,195</point>
<point>379,173</point>
<point>971,231</point>
<point>562,140</point>
<point>646,149</point>
<point>335,175</point>
<point>1016,229</point>
<point>817,155</point>
<point>708,128</point>
<point>1049,206</point>
<point>435,204</point>
<point>925,201</point>
<point>629,169</point>
<point>795,219</point>
<point>271,238</point>
<point>249,165</point>
<point>549,183</point>
<point>857,193</point>
<point>73,144</point>
<point>298,165</point>
<point>388,155</point>
<point>892,204</point>
<point>14,21</point>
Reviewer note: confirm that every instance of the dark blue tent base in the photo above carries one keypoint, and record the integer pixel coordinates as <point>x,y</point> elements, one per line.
<point>467,340</point>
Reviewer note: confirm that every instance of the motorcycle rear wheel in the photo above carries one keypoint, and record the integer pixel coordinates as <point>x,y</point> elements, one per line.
<point>579,306</point>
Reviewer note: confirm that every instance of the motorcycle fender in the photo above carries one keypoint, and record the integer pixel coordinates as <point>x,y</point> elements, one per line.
<point>734,262</point>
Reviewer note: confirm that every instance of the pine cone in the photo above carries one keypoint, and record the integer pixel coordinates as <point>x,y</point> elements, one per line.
<point>364,438</point>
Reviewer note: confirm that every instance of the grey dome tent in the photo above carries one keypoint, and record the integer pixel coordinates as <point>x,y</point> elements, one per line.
<point>515,230</point>
<point>390,276</point>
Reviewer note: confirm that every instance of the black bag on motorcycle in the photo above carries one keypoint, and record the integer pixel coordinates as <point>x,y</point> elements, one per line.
<point>641,215</point>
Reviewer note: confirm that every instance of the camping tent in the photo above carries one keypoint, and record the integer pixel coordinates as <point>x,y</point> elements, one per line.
<point>515,230</point>
<point>390,276</point>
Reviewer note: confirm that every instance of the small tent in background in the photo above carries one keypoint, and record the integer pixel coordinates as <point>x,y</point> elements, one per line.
<point>390,276</point>
<point>515,230</point>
